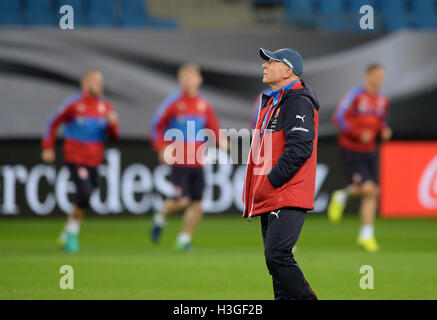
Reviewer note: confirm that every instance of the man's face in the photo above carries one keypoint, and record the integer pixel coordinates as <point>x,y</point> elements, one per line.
<point>274,72</point>
<point>93,84</point>
<point>375,78</point>
<point>190,80</point>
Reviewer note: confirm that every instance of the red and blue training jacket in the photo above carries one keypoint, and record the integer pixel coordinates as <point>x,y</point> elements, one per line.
<point>85,128</point>
<point>357,112</point>
<point>187,115</point>
<point>281,170</point>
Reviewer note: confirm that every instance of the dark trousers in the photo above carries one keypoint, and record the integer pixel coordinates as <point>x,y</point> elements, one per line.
<point>280,231</point>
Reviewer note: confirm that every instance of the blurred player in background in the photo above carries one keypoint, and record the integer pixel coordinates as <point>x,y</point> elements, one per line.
<point>361,117</point>
<point>176,112</point>
<point>87,120</point>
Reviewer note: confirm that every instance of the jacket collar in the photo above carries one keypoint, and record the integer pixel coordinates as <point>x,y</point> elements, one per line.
<point>268,94</point>
<point>275,94</point>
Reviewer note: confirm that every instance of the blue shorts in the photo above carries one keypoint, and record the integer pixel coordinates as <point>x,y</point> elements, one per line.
<point>359,166</point>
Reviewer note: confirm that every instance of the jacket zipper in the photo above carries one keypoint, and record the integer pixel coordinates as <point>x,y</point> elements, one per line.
<point>261,144</point>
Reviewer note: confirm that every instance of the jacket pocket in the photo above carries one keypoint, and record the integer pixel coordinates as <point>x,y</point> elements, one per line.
<point>263,190</point>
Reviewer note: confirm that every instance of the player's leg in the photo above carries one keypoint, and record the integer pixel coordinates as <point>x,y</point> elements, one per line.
<point>180,200</point>
<point>193,213</point>
<point>192,216</point>
<point>337,204</point>
<point>369,202</point>
<point>369,206</point>
<point>280,236</point>
<point>339,197</point>
<point>72,226</point>
<point>264,218</point>
<point>171,205</point>
<point>85,179</point>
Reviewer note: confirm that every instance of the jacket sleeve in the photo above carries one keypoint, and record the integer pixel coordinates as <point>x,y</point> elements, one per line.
<point>299,131</point>
<point>160,122</point>
<point>114,128</point>
<point>385,116</point>
<point>213,123</point>
<point>340,119</point>
<point>63,114</point>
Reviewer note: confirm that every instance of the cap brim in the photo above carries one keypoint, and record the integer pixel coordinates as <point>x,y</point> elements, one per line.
<point>267,55</point>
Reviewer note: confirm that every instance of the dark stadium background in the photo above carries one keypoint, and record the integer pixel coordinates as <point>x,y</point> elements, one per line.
<point>139,45</point>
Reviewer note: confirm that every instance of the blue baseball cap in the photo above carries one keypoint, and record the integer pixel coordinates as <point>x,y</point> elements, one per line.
<point>289,57</point>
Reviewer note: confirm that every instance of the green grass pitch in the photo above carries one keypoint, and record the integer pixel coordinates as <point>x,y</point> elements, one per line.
<point>117,260</point>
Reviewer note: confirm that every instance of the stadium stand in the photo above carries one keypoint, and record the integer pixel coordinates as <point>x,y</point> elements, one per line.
<point>333,16</point>
<point>80,11</point>
<point>39,12</point>
<point>10,12</point>
<point>424,14</point>
<point>300,12</point>
<point>267,3</point>
<point>336,16</point>
<point>102,13</point>
<point>395,14</point>
<point>135,13</point>
<point>87,13</point>
<point>342,15</point>
<point>354,6</point>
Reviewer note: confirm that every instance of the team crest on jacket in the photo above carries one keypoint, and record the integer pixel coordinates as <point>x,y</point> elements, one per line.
<point>201,106</point>
<point>380,103</point>
<point>363,104</point>
<point>181,106</point>
<point>81,107</point>
<point>277,111</point>
<point>101,107</point>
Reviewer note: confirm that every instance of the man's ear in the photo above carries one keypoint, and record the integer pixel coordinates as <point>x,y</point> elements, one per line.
<point>288,73</point>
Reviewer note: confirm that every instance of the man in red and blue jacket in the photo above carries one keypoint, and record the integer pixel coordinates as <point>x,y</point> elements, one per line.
<point>281,171</point>
<point>87,121</point>
<point>361,118</point>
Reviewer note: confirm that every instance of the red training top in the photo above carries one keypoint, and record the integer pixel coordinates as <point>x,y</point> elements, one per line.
<point>359,111</point>
<point>85,129</point>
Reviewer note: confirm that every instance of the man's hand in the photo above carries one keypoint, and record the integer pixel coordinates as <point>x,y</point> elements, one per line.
<point>161,155</point>
<point>165,157</point>
<point>112,117</point>
<point>224,143</point>
<point>386,134</point>
<point>48,155</point>
<point>366,136</point>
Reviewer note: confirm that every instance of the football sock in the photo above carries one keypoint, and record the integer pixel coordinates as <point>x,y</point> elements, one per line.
<point>184,238</point>
<point>72,226</point>
<point>159,219</point>
<point>366,231</point>
<point>342,195</point>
